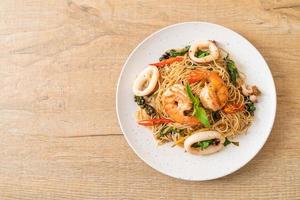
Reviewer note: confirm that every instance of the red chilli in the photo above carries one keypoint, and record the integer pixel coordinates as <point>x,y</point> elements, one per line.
<point>152,122</point>
<point>167,61</point>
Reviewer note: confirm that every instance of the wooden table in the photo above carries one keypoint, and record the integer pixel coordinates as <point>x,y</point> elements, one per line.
<point>59,65</point>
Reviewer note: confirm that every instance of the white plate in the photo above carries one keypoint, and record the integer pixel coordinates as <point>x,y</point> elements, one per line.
<point>174,161</point>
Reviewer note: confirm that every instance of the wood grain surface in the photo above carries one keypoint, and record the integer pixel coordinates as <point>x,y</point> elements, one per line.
<point>59,65</point>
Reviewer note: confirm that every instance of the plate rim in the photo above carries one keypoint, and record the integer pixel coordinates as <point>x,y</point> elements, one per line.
<point>117,101</point>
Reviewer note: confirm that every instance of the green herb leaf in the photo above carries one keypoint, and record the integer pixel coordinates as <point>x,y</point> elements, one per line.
<point>250,106</point>
<point>227,142</point>
<point>178,52</point>
<point>232,70</point>
<point>202,144</point>
<point>205,144</point>
<point>202,116</point>
<point>235,143</point>
<point>198,112</point>
<point>165,130</point>
<point>194,99</point>
<point>174,53</point>
<point>201,54</point>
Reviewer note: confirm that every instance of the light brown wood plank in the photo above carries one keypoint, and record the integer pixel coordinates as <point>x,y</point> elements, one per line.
<point>59,63</point>
<point>90,168</point>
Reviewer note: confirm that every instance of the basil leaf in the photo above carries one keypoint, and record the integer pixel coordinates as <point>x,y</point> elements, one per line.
<point>196,145</point>
<point>174,53</point>
<point>164,131</point>
<point>227,142</point>
<point>178,52</point>
<point>202,116</point>
<point>235,143</point>
<point>201,54</point>
<point>202,144</point>
<point>198,111</point>
<point>205,144</point>
<point>250,107</point>
<point>194,99</point>
<point>232,70</point>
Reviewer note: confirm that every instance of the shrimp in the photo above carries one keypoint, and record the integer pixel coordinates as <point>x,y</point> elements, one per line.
<point>213,51</point>
<point>176,102</point>
<point>214,94</point>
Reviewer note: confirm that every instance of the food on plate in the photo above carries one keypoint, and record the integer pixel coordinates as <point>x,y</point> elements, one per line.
<point>146,81</point>
<point>199,54</point>
<point>204,142</point>
<point>196,98</point>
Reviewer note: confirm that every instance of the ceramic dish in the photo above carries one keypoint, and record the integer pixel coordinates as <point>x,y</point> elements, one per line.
<point>174,161</point>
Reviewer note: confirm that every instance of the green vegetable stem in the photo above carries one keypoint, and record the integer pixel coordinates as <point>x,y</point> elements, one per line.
<point>198,111</point>
<point>232,70</point>
<point>201,54</point>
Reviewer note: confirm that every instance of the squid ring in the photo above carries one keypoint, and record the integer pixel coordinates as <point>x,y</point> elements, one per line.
<point>146,81</point>
<point>203,136</point>
<point>213,51</point>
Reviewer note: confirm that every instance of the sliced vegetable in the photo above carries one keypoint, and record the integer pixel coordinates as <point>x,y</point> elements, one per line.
<point>227,142</point>
<point>233,108</point>
<point>199,111</point>
<point>202,116</point>
<point>232,70</point>
<point>167,61</point>
<point>194,99</point>
<point>152,122</point>
<point>181,140</point>
<point>201,54</point>
<point>164,131</point>
<point>169,130</point>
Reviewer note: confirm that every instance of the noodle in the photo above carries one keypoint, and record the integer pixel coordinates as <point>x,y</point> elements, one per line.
<point>229,125</point>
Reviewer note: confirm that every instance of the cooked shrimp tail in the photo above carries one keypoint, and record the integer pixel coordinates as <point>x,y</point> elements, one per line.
<point>177,103</point>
